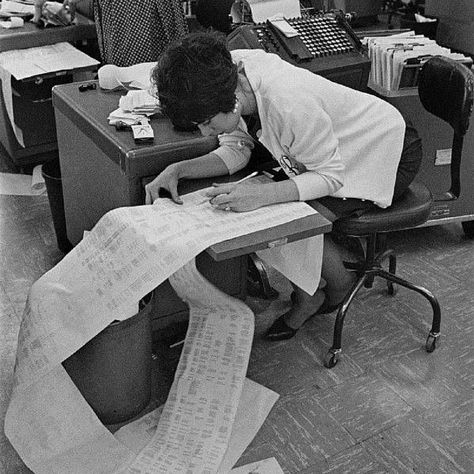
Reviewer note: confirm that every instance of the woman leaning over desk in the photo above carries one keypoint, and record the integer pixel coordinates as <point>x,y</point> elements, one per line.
<point>333,142</point>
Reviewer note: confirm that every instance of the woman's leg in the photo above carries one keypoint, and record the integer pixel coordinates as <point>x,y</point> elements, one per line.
<point>338,281</point>
<point>304,306</point>
<point>338,278</point>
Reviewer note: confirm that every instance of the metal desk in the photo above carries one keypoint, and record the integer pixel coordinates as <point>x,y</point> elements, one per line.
<point>31,36</point>
<point>436,137</point>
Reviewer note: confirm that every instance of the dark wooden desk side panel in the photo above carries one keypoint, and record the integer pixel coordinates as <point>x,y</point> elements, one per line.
<point>92,183</point>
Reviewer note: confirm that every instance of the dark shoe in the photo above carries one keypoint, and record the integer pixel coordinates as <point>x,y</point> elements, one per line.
<point>325,308</point>
<point>279,330</point>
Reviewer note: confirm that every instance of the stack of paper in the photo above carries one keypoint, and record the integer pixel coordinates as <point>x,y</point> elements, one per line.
<point>396,59</point>
<point>139,102</point>
<point>126,118</point>
<point>135,107</point>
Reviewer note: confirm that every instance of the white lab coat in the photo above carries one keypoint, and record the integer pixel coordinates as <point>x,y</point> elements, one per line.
<point>351,139</point>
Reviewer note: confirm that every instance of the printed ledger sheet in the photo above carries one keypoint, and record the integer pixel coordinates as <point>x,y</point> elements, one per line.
<point>126,255</point>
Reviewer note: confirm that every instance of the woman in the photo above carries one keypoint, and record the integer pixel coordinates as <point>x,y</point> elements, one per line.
<point>129,32</point>
<point>329,140</point>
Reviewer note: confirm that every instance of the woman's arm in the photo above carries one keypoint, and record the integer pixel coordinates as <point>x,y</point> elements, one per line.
<point>232,155</point>
<point>249,196</point>
<point>204,166</point>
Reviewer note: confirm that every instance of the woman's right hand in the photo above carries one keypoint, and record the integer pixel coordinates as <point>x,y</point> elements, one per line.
<point>167,180</point>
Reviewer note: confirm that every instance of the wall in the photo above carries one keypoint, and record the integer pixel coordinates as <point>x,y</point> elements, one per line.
<point>456,23</point>
<point>363,8</point>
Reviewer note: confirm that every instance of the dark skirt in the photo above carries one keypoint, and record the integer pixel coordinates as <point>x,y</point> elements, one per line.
<point>408,167</point>
<point>137,31</point>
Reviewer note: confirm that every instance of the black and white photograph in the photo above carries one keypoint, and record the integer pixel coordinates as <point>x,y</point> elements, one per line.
<point>236,236</point>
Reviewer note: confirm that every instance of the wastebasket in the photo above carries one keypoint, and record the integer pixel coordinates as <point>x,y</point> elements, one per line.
<point>113,370</point>
<point>51,172</point>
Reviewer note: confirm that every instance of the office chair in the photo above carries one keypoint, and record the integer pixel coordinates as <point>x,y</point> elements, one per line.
<point>446,90</point>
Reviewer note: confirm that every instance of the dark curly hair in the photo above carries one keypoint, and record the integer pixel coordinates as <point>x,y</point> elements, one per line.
<point>195,78</point>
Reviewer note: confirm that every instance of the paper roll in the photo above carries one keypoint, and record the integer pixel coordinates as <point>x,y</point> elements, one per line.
<point>131,77</point>
<point>128,253</point>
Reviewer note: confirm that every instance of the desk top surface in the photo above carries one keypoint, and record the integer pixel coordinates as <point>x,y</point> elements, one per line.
<point>89,110</point>
<point>31,36</point>
<point>269,238</point>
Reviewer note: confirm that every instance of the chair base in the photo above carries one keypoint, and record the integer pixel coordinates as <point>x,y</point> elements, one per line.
<point>370,268</point>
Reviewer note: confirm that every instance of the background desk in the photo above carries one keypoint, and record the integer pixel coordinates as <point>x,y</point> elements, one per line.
<point>32,99</point>
<point>436,138</point>
<point>31,36</point>
<point>103,169</point>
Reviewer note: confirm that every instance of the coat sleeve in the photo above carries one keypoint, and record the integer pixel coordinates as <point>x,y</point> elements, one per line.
<point>308,134</point>
<point>235,148</point>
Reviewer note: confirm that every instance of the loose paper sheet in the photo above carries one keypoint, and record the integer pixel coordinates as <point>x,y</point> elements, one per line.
<point>30,62</point>
<point>6,77</point>
<point>262,10</point>
<point>129,253</point>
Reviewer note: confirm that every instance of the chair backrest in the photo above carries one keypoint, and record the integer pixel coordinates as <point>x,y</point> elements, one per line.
<point>446,89</point>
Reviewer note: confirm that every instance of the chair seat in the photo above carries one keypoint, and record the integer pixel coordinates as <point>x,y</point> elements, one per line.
<point>411,210</point>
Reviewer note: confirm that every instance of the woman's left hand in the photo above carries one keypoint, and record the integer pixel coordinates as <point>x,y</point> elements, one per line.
<point>238,197</point>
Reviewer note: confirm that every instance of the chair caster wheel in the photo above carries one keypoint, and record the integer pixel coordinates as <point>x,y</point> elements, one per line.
<point>332,358</point>
<point>430,345</point>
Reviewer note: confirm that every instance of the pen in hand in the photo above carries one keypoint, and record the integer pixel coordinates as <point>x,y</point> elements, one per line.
<point>251,175</point>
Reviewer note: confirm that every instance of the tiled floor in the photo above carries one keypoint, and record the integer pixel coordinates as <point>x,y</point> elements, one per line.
<point>388,406</point>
